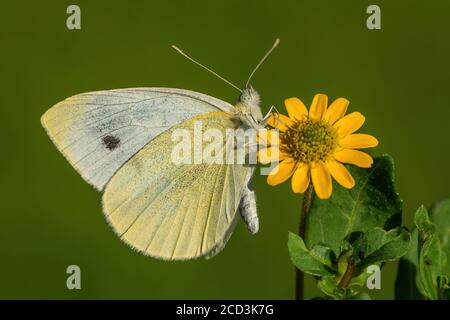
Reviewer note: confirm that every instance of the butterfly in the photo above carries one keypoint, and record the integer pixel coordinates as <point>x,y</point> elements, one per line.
<point>120,140</point>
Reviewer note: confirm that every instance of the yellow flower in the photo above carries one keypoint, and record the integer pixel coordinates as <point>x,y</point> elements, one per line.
<point>311,146</point>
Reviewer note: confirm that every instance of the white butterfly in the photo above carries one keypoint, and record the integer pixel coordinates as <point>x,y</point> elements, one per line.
<point>120,141</point>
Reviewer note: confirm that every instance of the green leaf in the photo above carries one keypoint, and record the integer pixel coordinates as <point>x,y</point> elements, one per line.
<point>318,261</point>
<point>329,286</point>
<point>430,266</point>
<point>360,280</point>
<point>423,223</point>
<point>373,202</point>
<point>420,272</point>
<point>407,281</point>
<point>430,255</point>
<point>378,245</point>
<point>444,288</point>
<point>343,261</point>
<point>440,216</point>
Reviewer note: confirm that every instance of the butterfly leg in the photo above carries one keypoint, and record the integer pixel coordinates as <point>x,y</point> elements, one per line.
<point>268,115</point>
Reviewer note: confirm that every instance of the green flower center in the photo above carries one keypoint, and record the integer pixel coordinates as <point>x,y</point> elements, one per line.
<point>309,141</point>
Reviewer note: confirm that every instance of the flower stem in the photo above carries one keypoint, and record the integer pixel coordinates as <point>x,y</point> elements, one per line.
<point>348,275</point>
<point>306,206</point>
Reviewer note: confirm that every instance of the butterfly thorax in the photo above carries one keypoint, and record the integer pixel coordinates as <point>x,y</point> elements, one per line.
<point>247,109</point>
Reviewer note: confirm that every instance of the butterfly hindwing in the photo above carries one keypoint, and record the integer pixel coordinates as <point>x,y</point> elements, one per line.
<point>176,211</point>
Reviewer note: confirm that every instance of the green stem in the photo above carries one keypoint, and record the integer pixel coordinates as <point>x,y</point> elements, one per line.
<point>348,275</point>
<point>306,206</point>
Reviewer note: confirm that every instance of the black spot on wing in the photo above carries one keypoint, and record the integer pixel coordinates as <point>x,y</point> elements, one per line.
<point>111,142</point>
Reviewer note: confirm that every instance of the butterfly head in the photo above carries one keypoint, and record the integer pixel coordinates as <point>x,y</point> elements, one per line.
<point>250,96</point>
<point>247,108</point>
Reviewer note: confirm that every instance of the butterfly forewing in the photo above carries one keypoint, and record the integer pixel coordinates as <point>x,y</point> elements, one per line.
<point>99,131</point>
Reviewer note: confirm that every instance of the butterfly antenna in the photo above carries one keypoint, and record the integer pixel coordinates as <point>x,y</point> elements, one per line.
<point>275,44</point>
<point>206,68</point>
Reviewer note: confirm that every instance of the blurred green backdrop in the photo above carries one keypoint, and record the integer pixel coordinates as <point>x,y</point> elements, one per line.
<point>50,218</point>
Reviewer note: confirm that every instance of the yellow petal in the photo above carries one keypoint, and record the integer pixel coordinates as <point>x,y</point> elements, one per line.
<point>336,110</point>
<point>318,106</point>
<point>358,141</point>
<point>356,157</point>
<point>321,180</point>
<point>279,121</point>
<point>269,137</point>
<point>295,108</point>
<point>282,172</point>
<point>271,154</point>
<point>341,174</point>
<point>349,124</point>
<point>300,178</point>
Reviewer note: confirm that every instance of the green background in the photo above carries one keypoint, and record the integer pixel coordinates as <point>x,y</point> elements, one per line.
<point>50,218</point>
